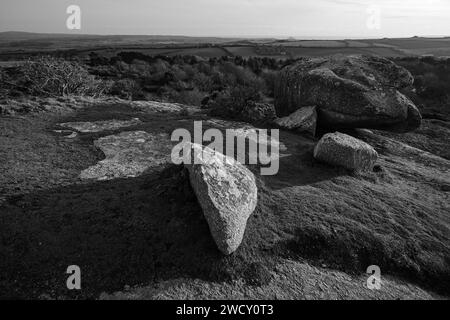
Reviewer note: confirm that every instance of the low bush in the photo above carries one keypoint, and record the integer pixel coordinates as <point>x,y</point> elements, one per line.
<point>52,77</point>
<point>127,89</point>
<point>431,84</point>
<point>225,83</point>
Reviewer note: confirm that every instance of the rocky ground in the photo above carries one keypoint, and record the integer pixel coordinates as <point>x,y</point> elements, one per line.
<point>86,194</point>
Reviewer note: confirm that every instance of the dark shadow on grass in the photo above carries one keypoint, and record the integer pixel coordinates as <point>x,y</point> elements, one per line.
<point>354,252</point>
<point>297,166</point>
<point>301,170</point>
<point>119,232</point>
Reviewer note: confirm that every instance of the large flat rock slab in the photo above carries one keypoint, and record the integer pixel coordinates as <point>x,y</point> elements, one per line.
<point>163,107</point>
<point>129,154</point>
<point>99,126</point>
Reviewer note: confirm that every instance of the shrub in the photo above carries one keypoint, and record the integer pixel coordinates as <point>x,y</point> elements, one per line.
<point>258,112</point>
<point>9,84</point>
<point>4,84</point>
<point>203,82</point>
<point>48,76</point>
<point>189,97</point>
<point>432,77</point>
<point>269,77</point>
<point>127,89</point>
<point>231,102</point>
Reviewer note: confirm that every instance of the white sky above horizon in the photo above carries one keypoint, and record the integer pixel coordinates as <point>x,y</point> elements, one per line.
<point>232,18</point>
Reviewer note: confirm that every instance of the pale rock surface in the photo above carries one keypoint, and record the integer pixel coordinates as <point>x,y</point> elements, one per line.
<point>227,193</point>
<point>352,91</point>
<point>129,154</point>
<point>99,126</point>
<point>343,150</point>
<point>302,120</point>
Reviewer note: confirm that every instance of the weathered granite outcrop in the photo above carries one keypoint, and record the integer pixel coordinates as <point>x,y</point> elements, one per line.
<point>349,91</point>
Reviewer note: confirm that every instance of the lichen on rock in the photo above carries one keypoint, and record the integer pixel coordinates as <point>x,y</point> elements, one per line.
<point>129,154</point>
<point>346,151</point>
<point>227,193</point>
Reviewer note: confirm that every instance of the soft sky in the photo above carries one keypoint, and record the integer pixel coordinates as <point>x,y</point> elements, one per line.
<point>275,18</point>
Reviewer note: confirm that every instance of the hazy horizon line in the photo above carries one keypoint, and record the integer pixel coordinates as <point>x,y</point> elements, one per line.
<point>229,36</point>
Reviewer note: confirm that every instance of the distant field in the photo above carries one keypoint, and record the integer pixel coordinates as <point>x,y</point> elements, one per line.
<point>202,52</point>
<point>439,52</point>
<point>250,52</point>
<point>15,45</point>
<point>315,43</point>
<point>416,43</point>
<point>387,52</point>
<point>10,63</point>
<point>293,52</point>
<point>357,44</point>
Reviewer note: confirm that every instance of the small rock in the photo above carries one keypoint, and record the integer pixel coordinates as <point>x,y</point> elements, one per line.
<point>45,296</point>
<point>377,168</point>
<point>66,133</point>
<point>343,150</point>
<point>302,120</point>
<point>227,193</point>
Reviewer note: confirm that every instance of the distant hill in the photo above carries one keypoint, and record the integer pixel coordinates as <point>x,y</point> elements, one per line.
<point>16,44</point>
<point>19,35</point>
